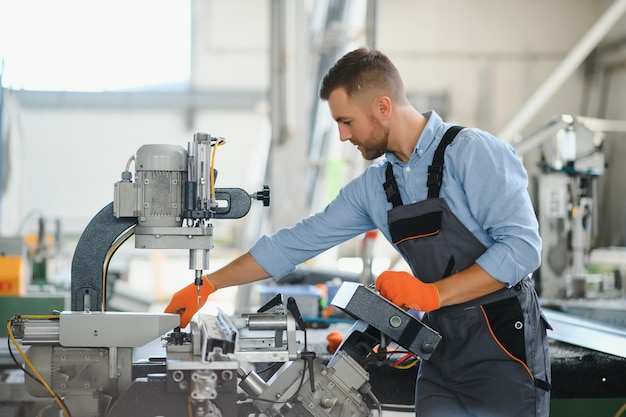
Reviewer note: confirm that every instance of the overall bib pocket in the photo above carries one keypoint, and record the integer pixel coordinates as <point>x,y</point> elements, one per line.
<point>416,237</point>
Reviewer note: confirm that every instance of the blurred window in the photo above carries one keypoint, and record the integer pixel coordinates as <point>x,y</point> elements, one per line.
<point>95,45</point>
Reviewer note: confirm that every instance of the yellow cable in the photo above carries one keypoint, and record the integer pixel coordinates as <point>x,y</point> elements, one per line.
<point>218,142</point>
<point>30,364</point>
<point>412,364</point>
<point>189,407</point>
<point>43,409</point>
<point>120,240</point>
<point>621,410</point>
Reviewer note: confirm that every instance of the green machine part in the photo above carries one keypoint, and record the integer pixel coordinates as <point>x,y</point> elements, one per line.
<point>585,407</point>
<point>43,304</point>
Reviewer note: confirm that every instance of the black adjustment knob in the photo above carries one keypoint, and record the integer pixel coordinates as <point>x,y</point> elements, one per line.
<point>263,195</point>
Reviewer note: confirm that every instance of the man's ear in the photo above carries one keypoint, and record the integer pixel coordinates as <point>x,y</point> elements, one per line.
<point>383,106</point>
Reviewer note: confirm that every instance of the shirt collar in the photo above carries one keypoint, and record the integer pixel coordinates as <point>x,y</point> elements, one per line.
<point>427,137</point>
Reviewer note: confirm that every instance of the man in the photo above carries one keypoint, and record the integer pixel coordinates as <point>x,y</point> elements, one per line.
<point>458,211</point>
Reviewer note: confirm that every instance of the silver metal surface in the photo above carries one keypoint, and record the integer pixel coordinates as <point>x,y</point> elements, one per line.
<point>199,259</point>
<point>181,241</point>
<point>80,375</point>
<point>252,384</point>
<point>587,333</point>
<point>247,343</point>
<point>189,232</point>
<point>338,390</point>
<point>161,157</point>
<point>267,322</point>
<point>113,329</point>
<point>41,332</point>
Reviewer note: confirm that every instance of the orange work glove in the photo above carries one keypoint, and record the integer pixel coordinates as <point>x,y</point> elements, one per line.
<point>334,340</point>
<point>186,303</point>
<point>408,292</point>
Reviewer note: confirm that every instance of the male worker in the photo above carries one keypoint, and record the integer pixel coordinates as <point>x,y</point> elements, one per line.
<point>458,210</point>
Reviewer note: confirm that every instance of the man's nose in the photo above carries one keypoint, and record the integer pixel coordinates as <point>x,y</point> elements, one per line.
<point>344,133</point>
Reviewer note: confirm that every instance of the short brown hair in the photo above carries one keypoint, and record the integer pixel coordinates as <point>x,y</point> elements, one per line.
<point>363,69</point>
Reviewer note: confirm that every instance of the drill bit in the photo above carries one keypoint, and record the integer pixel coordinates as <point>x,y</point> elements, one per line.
<point>198,282</point>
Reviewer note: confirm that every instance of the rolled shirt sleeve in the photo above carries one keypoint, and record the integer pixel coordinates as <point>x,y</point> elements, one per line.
<point>496,205</point>
<point>344,218</point>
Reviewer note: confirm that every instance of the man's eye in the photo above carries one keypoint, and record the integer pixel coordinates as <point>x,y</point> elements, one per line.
<point>346,122</point>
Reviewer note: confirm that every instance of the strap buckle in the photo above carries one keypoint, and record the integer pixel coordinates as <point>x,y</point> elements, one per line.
<point>435,175</point>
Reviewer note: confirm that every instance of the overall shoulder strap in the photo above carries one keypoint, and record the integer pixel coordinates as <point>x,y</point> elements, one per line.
<point>391,187</point>
<point>435,170</point>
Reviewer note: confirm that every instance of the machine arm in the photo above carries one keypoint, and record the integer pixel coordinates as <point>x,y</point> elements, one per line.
<point>94,248</point>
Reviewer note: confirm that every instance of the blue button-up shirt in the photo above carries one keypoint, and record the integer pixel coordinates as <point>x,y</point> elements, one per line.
<point>484,184</point>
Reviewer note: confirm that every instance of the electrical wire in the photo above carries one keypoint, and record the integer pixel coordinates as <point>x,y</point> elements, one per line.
<point>620,411</point>
<point>409,365</point>
<point>29,215</point>
<point>218,142</point>
<point>38,378</point>
<point>44,409</point>
<point>379,407</point>
<point>399,362</point>
<point>26,371</point>
<point>398,408</point>
<point>300,384</point>
<point>268,367</point>
<point>114,247</point>
<point>130,160</point>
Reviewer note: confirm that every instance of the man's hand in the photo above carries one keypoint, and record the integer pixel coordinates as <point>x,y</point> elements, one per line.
<point>408,292</point>
<point>186,303</point>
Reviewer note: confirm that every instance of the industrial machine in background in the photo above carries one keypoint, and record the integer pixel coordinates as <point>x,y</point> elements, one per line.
<point>30,266</point>
<point>13,266</point>
<point>571,159</point>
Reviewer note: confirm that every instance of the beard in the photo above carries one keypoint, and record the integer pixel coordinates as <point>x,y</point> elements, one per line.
<point>376,143</point>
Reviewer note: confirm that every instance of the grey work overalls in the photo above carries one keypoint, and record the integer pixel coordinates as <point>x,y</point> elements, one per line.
<point>493,360</point>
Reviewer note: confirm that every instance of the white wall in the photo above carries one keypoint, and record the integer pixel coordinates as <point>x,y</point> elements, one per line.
<point>489,55</point>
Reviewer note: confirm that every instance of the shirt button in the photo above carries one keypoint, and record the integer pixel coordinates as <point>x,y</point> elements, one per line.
<point>420,151</point>
<point>407,169</point>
